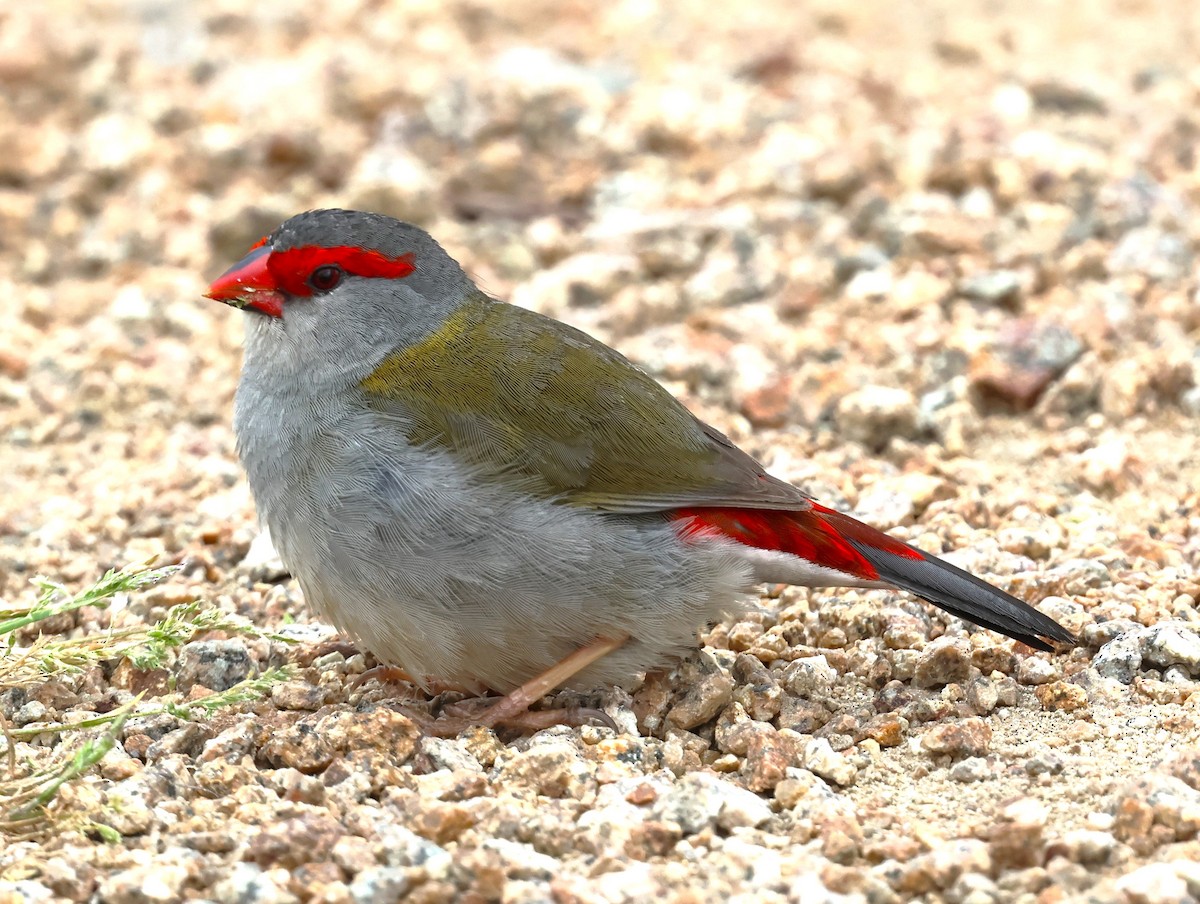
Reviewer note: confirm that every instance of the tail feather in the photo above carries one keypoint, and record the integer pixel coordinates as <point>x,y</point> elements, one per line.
<point>961,593</point>
<point>833,540</point>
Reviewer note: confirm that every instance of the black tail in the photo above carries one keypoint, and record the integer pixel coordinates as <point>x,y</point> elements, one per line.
<point>966,596</point>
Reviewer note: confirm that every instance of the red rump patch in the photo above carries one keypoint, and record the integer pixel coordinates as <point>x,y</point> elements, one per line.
<point>819,535</point>
<point>291,269</point>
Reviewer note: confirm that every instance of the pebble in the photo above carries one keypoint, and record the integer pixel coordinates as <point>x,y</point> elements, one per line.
<point>1149,251</point>
<point>943,866</point>
<point>1162,645</point>
<point>186,740</point>
<point>1107,466</point>
<point>114,143</point>
<point>391,180</point>
<point>700,801</point>
<point>1016,839</point>
<point>945,660</point>
<point>582,280</point>
<point>262,562</point>
<point>1073,98</point>
<point>995,287</point>
<point>801,714</point>
<point>1155,810</point>
<point>313,742</point>
<point>298,695</point>
<point>867,258</point>
<point>1159,883</point>
<point>971,736</point>
<point>811,676</point>
<point>874,415</point>
<point>887,729</point>
<point>972,769</point>
<point>384,884</point>
<point>744,809</point>
<point>769,756</point>
<point>1088,846</point>
<point>893,501</point>
<point>1048,763</point>
<point>25,890</point>
<point>1035,670</point>
<point>245,883</point>
<point>289,843</point>
<point>33,711</point>
<point>1062,696</point>
<point>1036,538</point>
<point>1185,764</point>
<point>868,285</point>
<point>1172,644</point>
<point>149,883</point>
<point>909,633</point>
<point>821,759</point>
<point>918,290</point>
<point>1077,576</point>
<point>738,270</point>
<point>757,690</point>
<point>708,689</point>
<point>982,695</point>
<point>401,847</point>
<point>551,768</point>
<point>1024,361</point>
<point>214,664</point>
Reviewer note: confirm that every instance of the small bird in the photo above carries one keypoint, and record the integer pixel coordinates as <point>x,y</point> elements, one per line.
<point>494,501</point>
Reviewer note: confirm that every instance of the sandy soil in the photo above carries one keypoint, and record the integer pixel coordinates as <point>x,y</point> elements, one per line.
<point>936,267</point>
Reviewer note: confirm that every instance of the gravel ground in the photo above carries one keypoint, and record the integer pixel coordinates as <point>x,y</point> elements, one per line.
<point>938,269</point>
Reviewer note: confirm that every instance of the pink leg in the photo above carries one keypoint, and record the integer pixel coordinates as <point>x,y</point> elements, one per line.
<point>512,710</point>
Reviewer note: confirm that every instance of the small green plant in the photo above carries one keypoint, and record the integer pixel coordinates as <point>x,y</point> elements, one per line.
<point>26,799</point>
<point>30,788</point>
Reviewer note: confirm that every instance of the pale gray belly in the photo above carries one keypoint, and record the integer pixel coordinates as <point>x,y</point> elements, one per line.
<point>465,579</point>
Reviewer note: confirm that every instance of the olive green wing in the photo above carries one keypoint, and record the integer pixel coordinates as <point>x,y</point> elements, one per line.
<point>508,389</point>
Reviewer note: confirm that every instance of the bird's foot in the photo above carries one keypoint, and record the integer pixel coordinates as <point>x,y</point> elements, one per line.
<point>393,674</point>
<point>384,674</point>
<point>512,710</point>
<point>501,713</point>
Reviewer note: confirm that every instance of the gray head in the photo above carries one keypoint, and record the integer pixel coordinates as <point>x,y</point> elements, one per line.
<point>333,291</point>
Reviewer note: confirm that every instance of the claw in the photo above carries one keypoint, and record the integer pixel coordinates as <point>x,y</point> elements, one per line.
<point>512,710</point>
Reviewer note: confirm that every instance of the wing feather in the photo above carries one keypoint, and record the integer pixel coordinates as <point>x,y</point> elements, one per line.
<point>574,418</point>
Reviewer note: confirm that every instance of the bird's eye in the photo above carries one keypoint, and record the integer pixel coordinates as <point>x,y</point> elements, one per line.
<point>326,278</point>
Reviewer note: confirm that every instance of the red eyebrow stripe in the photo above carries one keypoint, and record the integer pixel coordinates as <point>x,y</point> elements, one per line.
<point>291,268</point>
